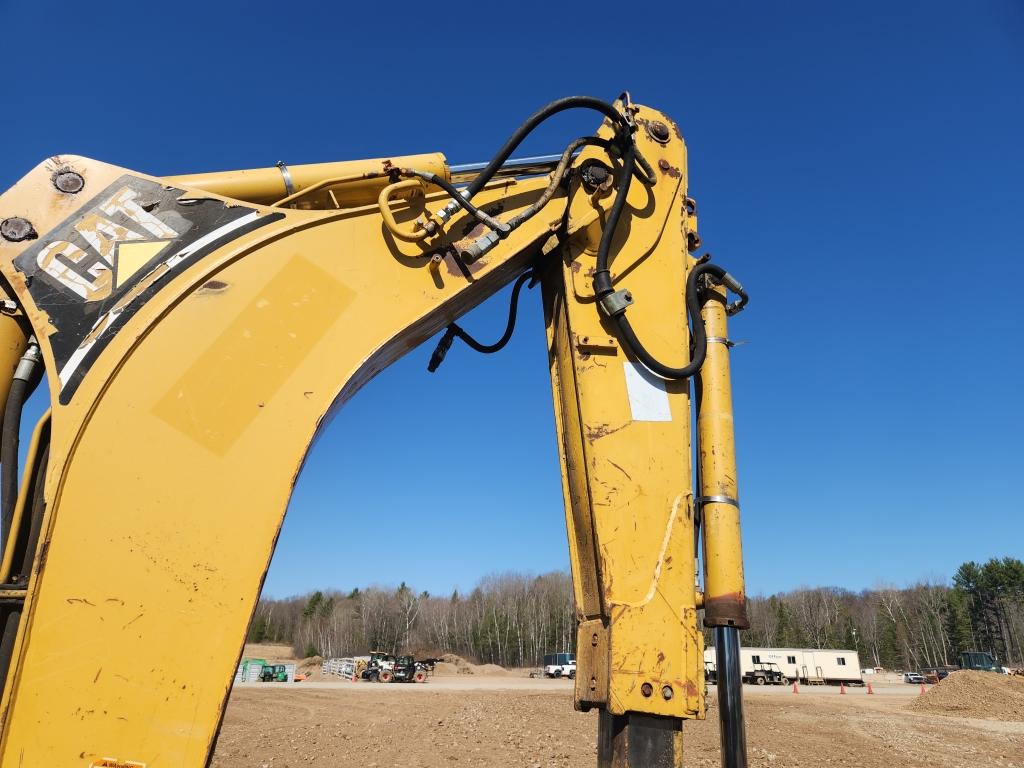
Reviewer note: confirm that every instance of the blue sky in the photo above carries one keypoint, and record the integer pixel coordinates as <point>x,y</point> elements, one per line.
<point>857,165</point>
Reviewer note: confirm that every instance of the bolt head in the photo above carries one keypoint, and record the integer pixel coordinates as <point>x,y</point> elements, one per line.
<point>16,229</point>
<point>646,689</point>
<point>666,692</point>
<point>68,182</point>
<point>658,131</point>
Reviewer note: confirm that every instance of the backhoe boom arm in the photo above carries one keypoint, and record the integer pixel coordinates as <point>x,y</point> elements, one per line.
<point>198,331</point>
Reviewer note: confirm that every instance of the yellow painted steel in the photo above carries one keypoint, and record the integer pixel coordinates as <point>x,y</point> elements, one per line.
<point>384,203</point>
<point>13,343</point>
<point>194,421</point>
<point>625,438</point>
<point>724,592</point>
<point>360,181</point>
<point>190,427</point>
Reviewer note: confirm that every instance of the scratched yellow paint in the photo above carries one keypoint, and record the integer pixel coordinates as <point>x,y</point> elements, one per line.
<point>172,466</point>
<point>250,360</point>
<point>637,510</point>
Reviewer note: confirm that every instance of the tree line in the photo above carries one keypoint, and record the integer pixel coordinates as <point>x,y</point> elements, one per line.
<point>513,619</point>
<point>509,619</point>
<point>923,625</point>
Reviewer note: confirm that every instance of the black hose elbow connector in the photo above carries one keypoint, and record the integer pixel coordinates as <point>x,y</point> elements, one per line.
<point>441,350</point>
<point>455,331</point>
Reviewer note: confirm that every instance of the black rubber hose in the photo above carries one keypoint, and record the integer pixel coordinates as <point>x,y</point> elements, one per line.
<point>513,309</point>
<point>603,287</point>
<point>433,178</point>
<point>556,177</point>
<point>28,537</point>
<point>538,117</point>
<point>26,378</point>
<point>455,331</point>
<point>602,277</point>
<point>10,618</point>
<point>693,307</point>
<point>9,442</point>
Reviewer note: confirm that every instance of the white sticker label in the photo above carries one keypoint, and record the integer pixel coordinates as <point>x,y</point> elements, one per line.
<point>648,398</point>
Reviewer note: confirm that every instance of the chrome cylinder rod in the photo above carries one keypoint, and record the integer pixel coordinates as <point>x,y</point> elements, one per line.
<point>516,166</point>
<point>730,698</point>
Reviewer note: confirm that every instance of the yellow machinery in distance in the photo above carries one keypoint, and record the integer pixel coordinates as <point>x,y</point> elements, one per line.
<point>197,330</point>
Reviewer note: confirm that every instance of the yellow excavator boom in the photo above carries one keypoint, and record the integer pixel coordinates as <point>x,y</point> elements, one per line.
<point>197,331</point>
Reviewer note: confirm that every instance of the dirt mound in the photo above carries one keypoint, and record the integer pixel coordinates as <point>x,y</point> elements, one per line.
<point>490,669</point>
<point>312,668</point>
<point>278,654</point>
<point>425,652</point>
<point>968,693</point>
<point>454,664</point>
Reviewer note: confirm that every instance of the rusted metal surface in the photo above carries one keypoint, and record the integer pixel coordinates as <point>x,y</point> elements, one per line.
<point>658,131</point>
<point>668,169</point>
<point>213,286</point>
<point>661,130</point>
<point>639,741</point>
<point>16,229</point>
<point>729,610</point>
<point>68,181</point>
<point>592,660</point>
<point>596,176</point>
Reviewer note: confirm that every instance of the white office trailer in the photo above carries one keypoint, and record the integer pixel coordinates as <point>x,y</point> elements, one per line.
<point>805,665</point>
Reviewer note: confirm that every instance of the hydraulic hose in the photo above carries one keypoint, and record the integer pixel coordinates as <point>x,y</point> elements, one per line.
<point>455,331</point>
<point>538,117</point>
<point>602,277</point>
<point>459,198</point>
<point>26,378</point>
<point>693,307</point>
<point>603,288</point>
<point>624,129</point>
<point>556,177</point>
<point>623,145</point>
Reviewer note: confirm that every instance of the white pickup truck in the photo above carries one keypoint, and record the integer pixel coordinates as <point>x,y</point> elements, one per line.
<point>560,665</point>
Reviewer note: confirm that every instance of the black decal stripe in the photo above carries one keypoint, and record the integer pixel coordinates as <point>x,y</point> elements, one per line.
<point>75,379</point>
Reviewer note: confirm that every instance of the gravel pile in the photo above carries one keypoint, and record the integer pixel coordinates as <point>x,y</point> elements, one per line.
<point>975,694</point>
<point>453,664</point>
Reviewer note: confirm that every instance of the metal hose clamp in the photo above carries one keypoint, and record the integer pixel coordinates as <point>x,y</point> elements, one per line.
<point>702,500</point>
<point>286,174</point>
<point>719,340</point>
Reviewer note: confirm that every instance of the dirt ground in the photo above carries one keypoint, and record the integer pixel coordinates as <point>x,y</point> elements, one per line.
<point>975,694</point>
<point>485,722</point>
<point>277,654</point>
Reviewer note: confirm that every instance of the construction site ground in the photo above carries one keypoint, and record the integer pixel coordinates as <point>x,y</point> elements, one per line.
<point>470,720</point>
